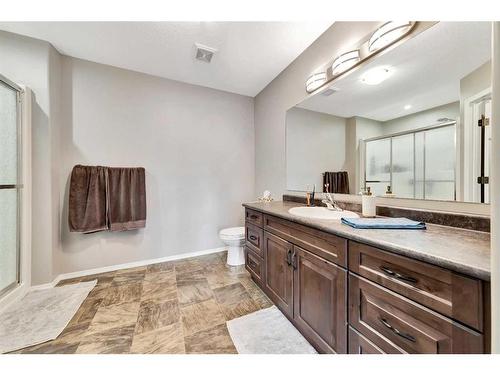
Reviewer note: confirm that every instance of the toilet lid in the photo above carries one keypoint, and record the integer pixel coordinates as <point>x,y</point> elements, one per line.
<point>235,232</point>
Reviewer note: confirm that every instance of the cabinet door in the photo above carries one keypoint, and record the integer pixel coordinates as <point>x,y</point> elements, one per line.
<point>320,309</point>
<point>279,272</point>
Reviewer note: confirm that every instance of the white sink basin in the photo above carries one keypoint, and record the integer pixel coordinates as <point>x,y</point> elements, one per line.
<point>320,213</point>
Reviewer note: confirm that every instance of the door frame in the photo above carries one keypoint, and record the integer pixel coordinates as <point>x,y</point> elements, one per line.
<point>470,138</point>
<point>25,98</point>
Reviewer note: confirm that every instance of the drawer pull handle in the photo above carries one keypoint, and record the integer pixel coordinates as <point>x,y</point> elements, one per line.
<point>254,217</point>
<point>253,238</point>
<point>289,257</point>
<point>397,331</point>
<point>398,276</point>
<point>251,263</point>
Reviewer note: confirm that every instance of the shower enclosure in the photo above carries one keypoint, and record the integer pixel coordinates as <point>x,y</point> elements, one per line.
<point>11,184</point>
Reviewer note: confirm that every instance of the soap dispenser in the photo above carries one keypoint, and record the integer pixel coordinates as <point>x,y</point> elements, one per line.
<point>368,206</point>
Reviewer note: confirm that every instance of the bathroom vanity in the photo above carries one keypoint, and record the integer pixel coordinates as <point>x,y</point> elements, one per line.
<point>372,291</point>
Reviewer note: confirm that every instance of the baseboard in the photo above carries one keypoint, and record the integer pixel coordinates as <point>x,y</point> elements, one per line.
<point>116,267</point>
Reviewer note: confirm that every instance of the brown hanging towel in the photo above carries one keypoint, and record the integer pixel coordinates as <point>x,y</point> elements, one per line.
<point>127,198</point>
<point>103,198</point>
<point>88,199</point>
<point>338,182</point>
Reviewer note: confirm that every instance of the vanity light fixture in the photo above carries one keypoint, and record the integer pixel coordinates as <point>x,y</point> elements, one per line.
<point>345,61</point>
<point>315,81</point>
<point>388,33</point>
<point>376,75</point>
<point>407,107</point>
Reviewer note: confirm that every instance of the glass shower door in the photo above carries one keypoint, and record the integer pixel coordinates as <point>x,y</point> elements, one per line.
<point>9,187</point>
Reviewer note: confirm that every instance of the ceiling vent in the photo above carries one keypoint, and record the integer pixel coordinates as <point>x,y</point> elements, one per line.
<point>328,92</point>
<point>204,53</point>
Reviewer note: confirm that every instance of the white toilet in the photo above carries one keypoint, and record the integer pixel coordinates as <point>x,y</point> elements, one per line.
<point>234,238</point>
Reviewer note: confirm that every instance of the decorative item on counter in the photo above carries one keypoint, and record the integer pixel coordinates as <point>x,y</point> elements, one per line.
<point>266,197</point>
<point>368,205</point>
<point>389,192</point>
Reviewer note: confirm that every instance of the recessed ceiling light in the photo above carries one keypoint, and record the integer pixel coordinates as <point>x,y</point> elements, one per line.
<point>408,106</point>
<point>376,75</point>
<point>388,33</point>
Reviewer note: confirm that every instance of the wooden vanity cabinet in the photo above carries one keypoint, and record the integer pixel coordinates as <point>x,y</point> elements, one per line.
<point>348,297</point>
<point>320,311</point>
<point>278,272</point>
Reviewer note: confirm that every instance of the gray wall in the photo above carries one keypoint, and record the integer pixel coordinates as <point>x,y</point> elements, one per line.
<point>287,90</point>
<point>29,62</point>
<point>197,145</point>
<point>315,144</point>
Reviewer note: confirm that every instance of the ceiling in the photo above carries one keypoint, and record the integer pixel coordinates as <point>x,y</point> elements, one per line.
<point>426,72</point>
<point>250,54</point>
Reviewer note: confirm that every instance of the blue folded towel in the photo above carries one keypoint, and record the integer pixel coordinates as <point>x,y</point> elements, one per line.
<point>383,223</point>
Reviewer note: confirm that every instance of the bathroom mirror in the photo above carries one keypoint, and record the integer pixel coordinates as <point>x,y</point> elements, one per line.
<point>410,123</point>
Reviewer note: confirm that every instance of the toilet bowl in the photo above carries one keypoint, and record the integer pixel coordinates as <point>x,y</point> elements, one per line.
<point>234,239</point>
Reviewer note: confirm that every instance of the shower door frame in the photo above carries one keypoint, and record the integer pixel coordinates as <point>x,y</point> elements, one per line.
<point>23,186</point>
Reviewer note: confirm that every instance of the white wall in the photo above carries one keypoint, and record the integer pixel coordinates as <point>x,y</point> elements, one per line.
<point>197,145</point>
<point>28,61</point>
<point>315,144</point>
<point>422,119</point>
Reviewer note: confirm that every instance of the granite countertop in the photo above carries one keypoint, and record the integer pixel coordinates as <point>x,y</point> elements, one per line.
<point>460,250</point>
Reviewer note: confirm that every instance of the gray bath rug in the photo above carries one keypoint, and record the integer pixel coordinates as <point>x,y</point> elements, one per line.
<point>267,332</point>
<point>40,315</point>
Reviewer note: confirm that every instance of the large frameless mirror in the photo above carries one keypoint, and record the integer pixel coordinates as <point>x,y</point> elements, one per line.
<point>410,123</point>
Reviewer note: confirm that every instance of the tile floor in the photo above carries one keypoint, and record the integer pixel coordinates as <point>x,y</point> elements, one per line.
<point>173,307</point>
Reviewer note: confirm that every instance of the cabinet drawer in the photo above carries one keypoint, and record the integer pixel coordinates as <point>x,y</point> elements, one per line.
<point>253,264</point>
<point>254,217</point>
<point>358,344</point>
<point>325,245</point>
<point>398,325</point>
<point>456,296</point>
<point>254,237</point>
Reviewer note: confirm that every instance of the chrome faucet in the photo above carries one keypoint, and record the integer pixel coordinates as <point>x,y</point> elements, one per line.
<point>329,201</point>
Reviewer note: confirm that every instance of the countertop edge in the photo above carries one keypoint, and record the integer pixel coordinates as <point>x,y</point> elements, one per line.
<point>461,268</point>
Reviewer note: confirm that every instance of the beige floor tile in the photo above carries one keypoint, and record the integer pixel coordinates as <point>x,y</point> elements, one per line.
<point>197,275</point>
<point>200,316</point>
<point>165,340</point>
<point>160,277</point>
<point>114,316</point>
<point>215,340</point>
<point>164,308</point>
<point>193,292</point>
<point>153,315</point>
<point>86,311</point>
<point>51,347</point>
<point>160,267</point>
<point>158,292</point>
<point>115,340</point>
<point>234,301</point>
<point>130,292</point>
<point>188,265</point>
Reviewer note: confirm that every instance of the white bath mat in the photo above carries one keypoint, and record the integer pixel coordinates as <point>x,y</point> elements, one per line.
<point>267,331</point>
<point>40,315</point>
